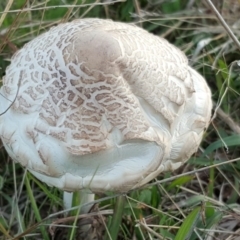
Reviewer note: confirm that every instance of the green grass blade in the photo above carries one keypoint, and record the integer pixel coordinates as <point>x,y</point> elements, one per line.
<point>117,217</point>
<point>4,231</point>
<point>188,225</point>
<point>35,208</point>
<point>233,140</point>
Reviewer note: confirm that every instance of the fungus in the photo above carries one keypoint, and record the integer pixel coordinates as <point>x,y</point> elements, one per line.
<point>101,105</point>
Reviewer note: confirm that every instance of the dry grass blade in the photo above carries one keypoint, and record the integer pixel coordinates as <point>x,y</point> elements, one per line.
<point>8,6</point>
<point>224,24</point>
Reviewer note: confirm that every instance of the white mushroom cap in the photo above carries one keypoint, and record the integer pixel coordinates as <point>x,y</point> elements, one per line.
<point>101,105</point>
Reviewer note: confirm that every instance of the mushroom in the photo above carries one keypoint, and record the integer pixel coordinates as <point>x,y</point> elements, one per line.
<point>101,105</point>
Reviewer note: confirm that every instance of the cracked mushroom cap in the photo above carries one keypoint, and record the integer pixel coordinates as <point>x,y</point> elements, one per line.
<point>101,105</point>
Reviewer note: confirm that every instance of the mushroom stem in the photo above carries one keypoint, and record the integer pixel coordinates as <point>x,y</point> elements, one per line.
<point>82,199</point>
<point>117,218</point>
<point>67,199</point>
<point>78,198</point>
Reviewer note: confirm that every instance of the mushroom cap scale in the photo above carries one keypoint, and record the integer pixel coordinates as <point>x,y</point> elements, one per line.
<point>101,105</point>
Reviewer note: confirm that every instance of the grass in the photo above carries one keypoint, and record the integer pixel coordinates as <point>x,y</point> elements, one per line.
<point>201,200</point>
